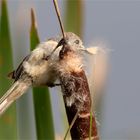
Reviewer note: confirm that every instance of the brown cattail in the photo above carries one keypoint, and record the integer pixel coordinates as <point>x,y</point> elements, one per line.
<point>75,88</point>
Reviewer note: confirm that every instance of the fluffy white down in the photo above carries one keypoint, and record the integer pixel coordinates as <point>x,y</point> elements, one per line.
<point>72,63</point>
<point>41,69</point>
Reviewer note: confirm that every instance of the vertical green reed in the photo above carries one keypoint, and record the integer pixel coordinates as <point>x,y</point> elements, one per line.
<point>8,126</point>
<point>42,103</point>
<point>74,16</point>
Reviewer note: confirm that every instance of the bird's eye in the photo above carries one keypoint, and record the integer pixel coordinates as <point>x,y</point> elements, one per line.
<point>76,41</point>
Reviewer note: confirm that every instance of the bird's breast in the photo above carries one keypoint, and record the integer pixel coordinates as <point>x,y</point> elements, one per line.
<point>37,71</point>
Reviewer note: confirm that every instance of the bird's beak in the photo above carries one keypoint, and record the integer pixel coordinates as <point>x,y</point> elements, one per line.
<point>60,43</point>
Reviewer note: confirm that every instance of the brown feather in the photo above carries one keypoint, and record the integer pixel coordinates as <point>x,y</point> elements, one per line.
<point>11,75</point>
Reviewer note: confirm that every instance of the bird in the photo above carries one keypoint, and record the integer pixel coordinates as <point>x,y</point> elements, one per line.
<point>40,67</point>
<point>34,70</point>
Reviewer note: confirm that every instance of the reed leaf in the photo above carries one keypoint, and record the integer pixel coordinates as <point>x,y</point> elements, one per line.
<point>42,103</point>
<point>8,125</point>
<point>74,16</point>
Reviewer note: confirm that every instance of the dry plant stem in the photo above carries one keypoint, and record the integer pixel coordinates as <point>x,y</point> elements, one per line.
<point>70,126</point>
<point>59,17</point>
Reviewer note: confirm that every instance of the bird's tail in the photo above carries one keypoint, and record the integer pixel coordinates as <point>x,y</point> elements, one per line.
<point>15,91</point>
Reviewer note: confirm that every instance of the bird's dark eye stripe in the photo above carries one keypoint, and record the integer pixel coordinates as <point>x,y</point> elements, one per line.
<point>76,41</point>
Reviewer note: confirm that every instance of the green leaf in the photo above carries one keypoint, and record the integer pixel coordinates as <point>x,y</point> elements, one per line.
<point>42,103</point>
<point>8,126</point>
<point>74,16</point>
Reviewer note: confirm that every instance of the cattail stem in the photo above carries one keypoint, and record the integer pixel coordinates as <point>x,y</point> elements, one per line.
<point>81,127</point>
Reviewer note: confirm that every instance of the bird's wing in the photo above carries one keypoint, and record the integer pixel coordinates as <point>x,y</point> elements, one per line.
<point>16,73</point>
